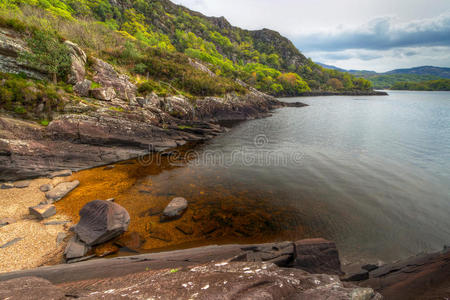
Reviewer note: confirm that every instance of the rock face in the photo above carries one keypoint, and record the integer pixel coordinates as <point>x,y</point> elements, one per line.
<point>11,45</point>
<point>108,77</point>
<point>101,221</point>
<point>61,190</point>
<point>79,59</point>
<point>174,210</point>
<point>43,211</point>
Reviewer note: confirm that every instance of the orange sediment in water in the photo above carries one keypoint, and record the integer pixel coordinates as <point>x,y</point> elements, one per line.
<point>215,215</point>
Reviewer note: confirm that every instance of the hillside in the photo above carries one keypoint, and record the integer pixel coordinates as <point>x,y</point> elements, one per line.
<point>398,77</point>
<point>138,35</point>
<point>424,70</point>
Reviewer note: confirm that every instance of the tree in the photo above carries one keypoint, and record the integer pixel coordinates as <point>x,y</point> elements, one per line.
<point>335,84</point>
<point>47,53</point>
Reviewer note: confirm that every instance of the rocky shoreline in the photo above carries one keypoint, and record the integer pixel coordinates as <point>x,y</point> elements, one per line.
<point>355,93</point>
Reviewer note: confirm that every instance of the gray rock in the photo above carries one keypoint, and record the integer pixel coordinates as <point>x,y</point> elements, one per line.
<point>174,210</point>
<point>357,276</point>
<point>75,248</point>
<point>22,184</point>
<point>45,188</point>
<point>109,167</point>
<point>79,58</point>
<point>63,173</point>
<point>370,267</point>
<point>10,243</point>
<point>7,185</point>
<point>82,88</point>
<point>43,211</point>
<point>104,94</point>
<point>142,101</point>
<point>108,77</point>
<point>7,221</point>
<point>61,190</point>
<point>60,237</point>
<point>317,256</point>
<point>101,221</point>
<point>365,294</point>
<point>55,223</point>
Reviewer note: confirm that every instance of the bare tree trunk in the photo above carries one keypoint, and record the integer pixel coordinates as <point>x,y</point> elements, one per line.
<point>55,79</point>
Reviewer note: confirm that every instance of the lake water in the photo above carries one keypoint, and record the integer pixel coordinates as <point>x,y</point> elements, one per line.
<point>370,173</point>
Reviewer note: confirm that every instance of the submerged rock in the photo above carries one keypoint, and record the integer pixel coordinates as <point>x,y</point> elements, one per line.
<point>10,243</point>
<point>101,221</point>
<point>7,221</point>
<point>43,211</point>
<point>174,210</point>
<point>61,190</point>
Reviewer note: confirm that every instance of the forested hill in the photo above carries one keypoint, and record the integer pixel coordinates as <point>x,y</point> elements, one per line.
<point>155,38</point>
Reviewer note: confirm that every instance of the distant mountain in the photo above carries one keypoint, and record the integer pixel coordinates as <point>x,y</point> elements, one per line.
<point>331,67</point>
<point>424,70</point>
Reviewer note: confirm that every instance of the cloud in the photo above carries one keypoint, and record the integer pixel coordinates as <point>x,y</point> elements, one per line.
<point>384,60</point>
<point>380,34</point>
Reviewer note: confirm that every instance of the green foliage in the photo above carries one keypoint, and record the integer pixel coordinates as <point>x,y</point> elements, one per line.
<point>388,81</point>
<point>23,96</point>
<point>47,53</point>
<point>44,122</point>
<point>432,85</point>
<point>263,58</point>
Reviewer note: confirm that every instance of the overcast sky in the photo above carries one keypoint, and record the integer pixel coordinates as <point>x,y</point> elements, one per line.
<point>375,35</point>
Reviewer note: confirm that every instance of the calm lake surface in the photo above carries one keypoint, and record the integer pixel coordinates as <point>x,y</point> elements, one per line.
<point>370,173</point>
<point>373,173</point>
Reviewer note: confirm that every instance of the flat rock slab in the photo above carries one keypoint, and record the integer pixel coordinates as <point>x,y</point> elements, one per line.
<point>101,221</point>
<point>22,184</point>
<point>28,288</point>
<point>43,211</point>
<point>63,173</point>
<point>174,210</point>
<point>61,190</point>
<point>221,280</point>
<point>10,243</point>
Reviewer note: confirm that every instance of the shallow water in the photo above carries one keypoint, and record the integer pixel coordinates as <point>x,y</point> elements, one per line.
<point>371,173</point>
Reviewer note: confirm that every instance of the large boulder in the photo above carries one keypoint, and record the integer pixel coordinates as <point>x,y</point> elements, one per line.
<point>77,68</point>
<point>27,288</point>
<point>174,210</point>
<point>82,88</point>
<point>104,94</point>
<point>61,190</point>
<point>101,221</point>
<point>108,77</point>
<point>317,256</point>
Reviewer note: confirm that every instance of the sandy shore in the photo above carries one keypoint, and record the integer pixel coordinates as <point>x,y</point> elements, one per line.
<point>38,242</point>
